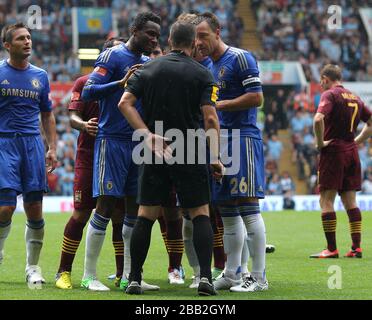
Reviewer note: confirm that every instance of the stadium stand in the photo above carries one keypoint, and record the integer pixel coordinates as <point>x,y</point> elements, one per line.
<point>53,51</point>
<point>295,30</point>
<point>284,30</point>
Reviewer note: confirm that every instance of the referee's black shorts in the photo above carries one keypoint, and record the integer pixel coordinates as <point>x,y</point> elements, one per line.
<point>191,182</point>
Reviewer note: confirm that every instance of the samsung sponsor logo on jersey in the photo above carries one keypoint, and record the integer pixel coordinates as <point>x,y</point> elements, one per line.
<point>20,93</point>
<point>252,82</point>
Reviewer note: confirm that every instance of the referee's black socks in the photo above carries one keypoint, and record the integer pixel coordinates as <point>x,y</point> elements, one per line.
<point>139,246</point>
<point>203,243</point>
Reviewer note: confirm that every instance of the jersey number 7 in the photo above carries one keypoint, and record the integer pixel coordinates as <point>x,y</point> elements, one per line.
<point>355,106</point>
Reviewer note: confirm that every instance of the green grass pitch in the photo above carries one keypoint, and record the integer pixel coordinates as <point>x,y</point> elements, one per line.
<point>291,274</point>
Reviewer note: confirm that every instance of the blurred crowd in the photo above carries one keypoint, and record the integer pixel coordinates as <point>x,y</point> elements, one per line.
<point>53,43</point>
<point>61,181</point>
<point>285,108</point>
<point>289,29</point>
<point>298,30</point>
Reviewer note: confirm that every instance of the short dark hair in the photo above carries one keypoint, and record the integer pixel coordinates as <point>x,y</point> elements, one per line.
<point>142,18</point>
<point>331,71</point>
<point>8,31</point>
<point>182,34</point>
<point>111,42</point>
<point>211,19</point>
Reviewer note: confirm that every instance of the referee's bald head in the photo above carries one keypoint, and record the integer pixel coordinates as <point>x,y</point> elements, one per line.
<point>182,35</point>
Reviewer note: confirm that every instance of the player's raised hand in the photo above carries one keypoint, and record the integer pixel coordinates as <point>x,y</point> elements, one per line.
<point>123,81</point>
<point>51,160</point>
<point>91,126</point>
<point>159,146</point>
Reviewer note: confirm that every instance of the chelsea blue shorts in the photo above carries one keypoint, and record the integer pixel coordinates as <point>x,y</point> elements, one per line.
<point>22,163</point>
<point>248,180</point>
<point>114,172</point>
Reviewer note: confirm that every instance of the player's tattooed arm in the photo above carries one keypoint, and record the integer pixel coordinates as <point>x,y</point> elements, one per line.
<point>77,122</point>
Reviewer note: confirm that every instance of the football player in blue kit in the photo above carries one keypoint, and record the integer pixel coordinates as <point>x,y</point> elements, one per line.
<point>24,91</point>
<point>240,94</point>
<point>114,173</point>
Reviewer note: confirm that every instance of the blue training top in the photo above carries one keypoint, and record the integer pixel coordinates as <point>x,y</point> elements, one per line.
<point>24,93</point>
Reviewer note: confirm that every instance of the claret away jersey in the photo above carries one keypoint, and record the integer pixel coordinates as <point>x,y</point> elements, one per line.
<point>343,111</point>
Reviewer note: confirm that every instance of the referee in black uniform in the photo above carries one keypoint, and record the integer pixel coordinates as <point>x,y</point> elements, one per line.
<point>178,91</point>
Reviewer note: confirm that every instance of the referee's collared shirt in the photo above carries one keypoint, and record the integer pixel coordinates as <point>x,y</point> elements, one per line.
<point>173,88</point>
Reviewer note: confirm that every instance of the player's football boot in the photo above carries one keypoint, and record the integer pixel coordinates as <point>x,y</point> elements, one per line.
<point>34,278</point>
<point>270,248</point>
<point>93,284</point>
<point>225,283</point>
<point>216,272</point>
<point>195,282</point>
<point>206,288</point>
<point>63,280</point>
<point>144,285</point>
<point>325,254</point>
<point>117,281</point>
<point>250,284</point>
<point>134,288</point>
<point>123,283</point>
<point>354,253</point>
<point>175,276</point>
<point>149,287</point>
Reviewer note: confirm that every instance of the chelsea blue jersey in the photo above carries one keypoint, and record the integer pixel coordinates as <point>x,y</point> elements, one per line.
<point>112,65</point>
<point>236,73</point>
<point>207,62</point>
<point>24,93</point>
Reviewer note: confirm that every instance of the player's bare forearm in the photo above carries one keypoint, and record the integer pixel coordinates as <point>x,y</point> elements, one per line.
<point>76,122</point>
<point>366,132</point>
<point>245,101</point>
<point>49,125</point>
<point>127,107</point>
<point>318,127</point>
<point>212,128</point>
